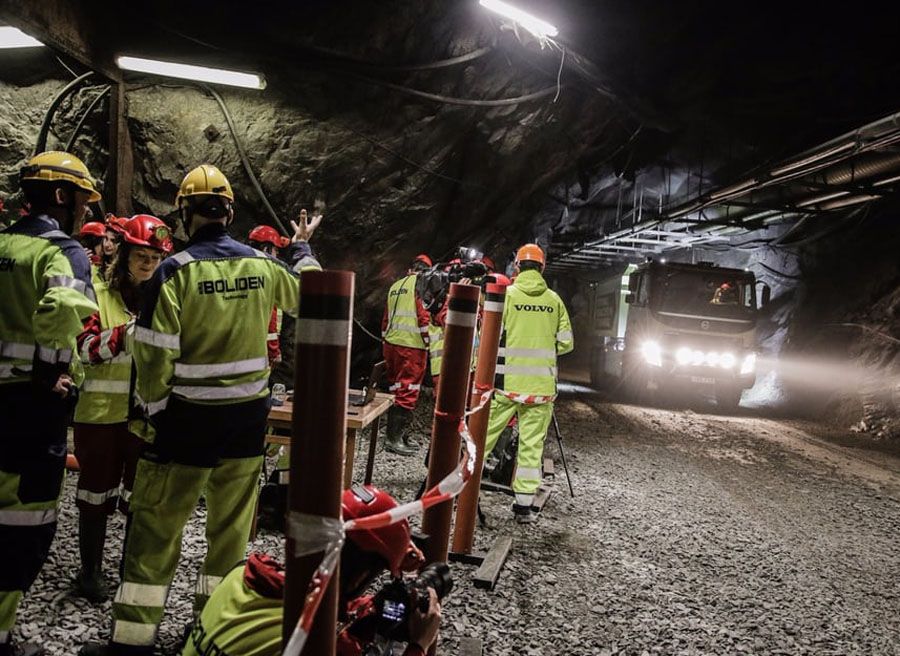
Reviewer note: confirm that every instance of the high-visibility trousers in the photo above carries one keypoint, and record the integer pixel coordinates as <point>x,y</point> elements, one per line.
<point>405,371</point>
<point>213,451</point>
<point>534,420</point>
<point>32,468</point>
<point>107,456</point>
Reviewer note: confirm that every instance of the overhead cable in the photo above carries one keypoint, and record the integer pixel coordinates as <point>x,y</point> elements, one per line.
<point>41,144</point>
<point>245,161</point>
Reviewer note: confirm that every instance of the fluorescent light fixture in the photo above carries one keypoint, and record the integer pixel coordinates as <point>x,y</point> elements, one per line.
<point>13,37</point>
<point>190,72</point>
<point>541,29</point>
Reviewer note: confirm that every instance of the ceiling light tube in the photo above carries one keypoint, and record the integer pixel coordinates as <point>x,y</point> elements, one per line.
<point>13,37</point>
<point>191,72</point>
<point>540,29</point>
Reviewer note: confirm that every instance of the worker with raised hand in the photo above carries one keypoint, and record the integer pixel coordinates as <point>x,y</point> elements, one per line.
<point>107,452</point>
<point>404,331</point>
<point>273,496</point>
<point>202,374</point>
<point>536,329</point>
<point>45,281</point>
<point>245,614</point>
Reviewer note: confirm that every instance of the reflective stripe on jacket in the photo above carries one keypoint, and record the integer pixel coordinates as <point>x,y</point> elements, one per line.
<point>536,329</point>
<point>406,320</point>
<point>107,362</point>
<point>204,324</point>
<point>45,284</point>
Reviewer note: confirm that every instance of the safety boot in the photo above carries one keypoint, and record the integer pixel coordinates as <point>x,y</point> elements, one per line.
<point>524,514</point>
<point>89,582</point>
<point>398,420</point>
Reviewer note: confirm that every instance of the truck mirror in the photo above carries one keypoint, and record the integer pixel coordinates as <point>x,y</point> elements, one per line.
<point>766,295</point>
<point>633,283</point>
<point>629,298</point>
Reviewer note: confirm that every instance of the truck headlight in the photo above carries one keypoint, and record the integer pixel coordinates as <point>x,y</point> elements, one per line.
<point>652,353</point>
<point>727,360</point>
<point>712,358</point>
<point>684,355</point>
<point>748,366</point>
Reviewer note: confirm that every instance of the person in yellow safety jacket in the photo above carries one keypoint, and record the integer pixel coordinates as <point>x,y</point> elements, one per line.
<point>404,332</point>
<point>45,284</point>
<point>536,329</point>
<point>245,614</point>
<point>201,380</point>
<point>107,452</point>
<point>435,353</point>
<point>273,496</point>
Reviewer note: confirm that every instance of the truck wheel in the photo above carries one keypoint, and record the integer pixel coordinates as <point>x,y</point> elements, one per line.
<point>728,398</point>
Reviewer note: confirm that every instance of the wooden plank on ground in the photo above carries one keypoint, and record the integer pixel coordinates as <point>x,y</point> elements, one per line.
<point>549,467</point>
<point>471,647</point>
<point>486,576</point>
<point>543,493</point>
<point>490,486</point>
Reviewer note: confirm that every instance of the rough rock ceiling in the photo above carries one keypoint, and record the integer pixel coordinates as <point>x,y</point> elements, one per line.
<point>698,91</point>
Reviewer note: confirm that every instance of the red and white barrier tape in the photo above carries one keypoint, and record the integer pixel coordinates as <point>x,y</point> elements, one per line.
<point>313,533</point>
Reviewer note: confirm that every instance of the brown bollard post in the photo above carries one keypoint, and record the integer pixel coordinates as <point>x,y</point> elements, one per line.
<point>449,407</point>
<point>318,429</point>
<point>467,504</point>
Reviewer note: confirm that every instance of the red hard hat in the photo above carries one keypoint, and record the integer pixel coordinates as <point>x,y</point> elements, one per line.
<point>422,257</point>
<point>116,224</point>
<point>268,235</point>
<point>94,228</point>
<point>489,263</point>
<point>146,230</point>
<point>500,279</point>
<point>391,542</point>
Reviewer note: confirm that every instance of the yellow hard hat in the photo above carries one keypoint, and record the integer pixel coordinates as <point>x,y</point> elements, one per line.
<point>205,180</point>
<point>54,165</point>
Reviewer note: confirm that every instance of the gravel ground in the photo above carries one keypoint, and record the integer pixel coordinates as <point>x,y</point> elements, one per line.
<point>691,533</point>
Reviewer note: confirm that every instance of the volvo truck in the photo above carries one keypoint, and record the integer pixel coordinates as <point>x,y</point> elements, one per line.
<point>661,327</point>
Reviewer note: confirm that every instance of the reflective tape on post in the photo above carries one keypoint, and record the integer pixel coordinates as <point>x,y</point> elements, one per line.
<point>466,508</point>
<point>449,410</point>
<point>321,379</point>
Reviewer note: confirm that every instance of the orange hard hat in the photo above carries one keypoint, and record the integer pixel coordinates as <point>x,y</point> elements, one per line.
<point>530,253</point>
<point>424,259</point>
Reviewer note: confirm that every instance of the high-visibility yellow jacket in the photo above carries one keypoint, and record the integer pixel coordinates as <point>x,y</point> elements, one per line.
<point>107,361</point>
<point>536,329</point>
<point>435,348</point>
<point>204,324</point>
<point>46,292</point>
<point>405,320</point>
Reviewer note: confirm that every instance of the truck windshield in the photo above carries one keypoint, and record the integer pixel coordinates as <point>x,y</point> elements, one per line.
<point>707,293</point>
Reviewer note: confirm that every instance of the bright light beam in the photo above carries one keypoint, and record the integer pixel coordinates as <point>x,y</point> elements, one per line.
<point>540,29</point>
<point>190,72</point>
<point>13,37</point>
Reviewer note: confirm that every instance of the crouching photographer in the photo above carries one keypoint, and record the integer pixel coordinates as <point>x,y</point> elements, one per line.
<point>243,617</point>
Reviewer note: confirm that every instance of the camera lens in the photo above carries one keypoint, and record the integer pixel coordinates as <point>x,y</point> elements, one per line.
<point>437,576</point>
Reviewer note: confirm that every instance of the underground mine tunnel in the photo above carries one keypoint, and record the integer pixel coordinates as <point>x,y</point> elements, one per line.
<point>595,302</point>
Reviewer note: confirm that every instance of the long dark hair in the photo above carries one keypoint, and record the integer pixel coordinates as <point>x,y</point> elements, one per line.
<point>119,278</point>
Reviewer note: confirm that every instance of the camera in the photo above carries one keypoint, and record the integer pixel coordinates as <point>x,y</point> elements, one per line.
<point>434,284</point>
<point>394,602</point>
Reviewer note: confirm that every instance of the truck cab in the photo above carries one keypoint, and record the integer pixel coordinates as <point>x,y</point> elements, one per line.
<point>677,324</point>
